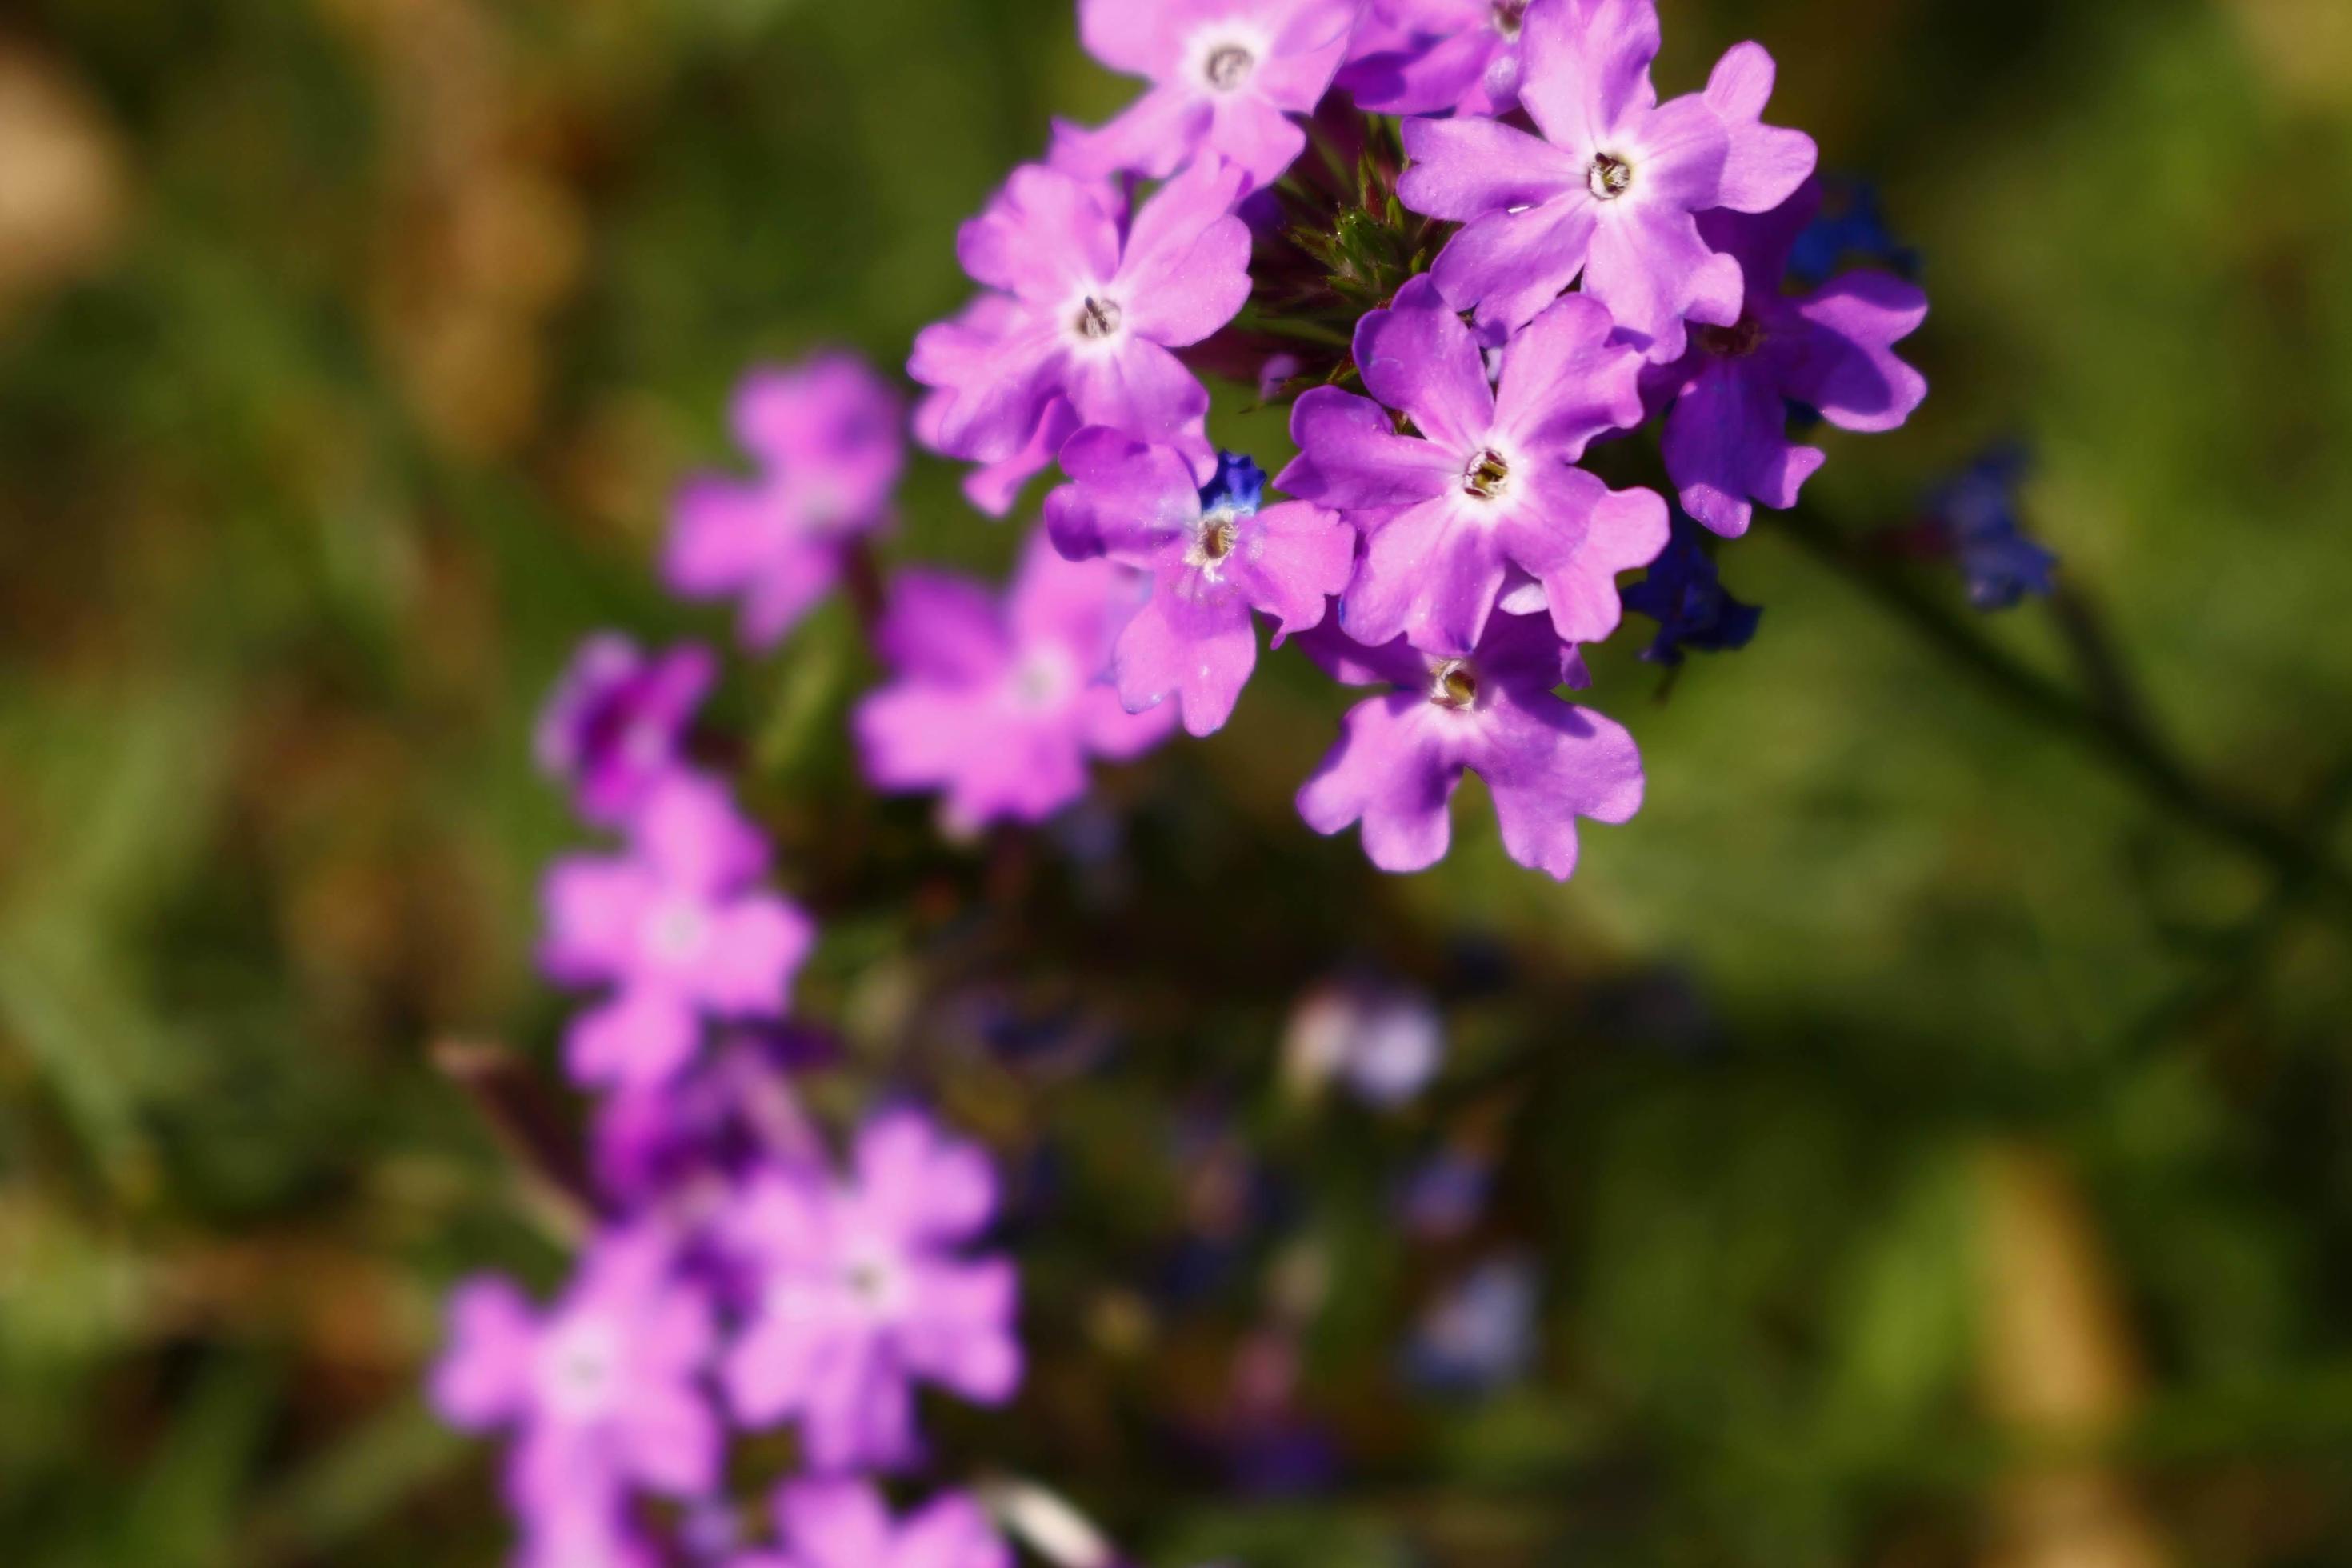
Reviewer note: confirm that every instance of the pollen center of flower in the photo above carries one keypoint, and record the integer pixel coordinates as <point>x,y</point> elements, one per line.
<point>1040,682</point>
<point>1214,542</point>
<point>1454,684</point>
<point>874,1281</point>
<point>1098,318</point>
<point>1508,16</point>
<point>1737,341</point>
<point>1486,474</point>
<point>581,1364</point>
<point>1609,177</point>
<point>1228,66</point>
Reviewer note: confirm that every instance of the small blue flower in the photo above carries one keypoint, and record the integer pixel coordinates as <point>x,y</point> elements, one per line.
<point>1239,488</point>
<point>1480,1335</point>
<point>1688,600</point>
<point>1849,226</point>
<point>1973,518</point>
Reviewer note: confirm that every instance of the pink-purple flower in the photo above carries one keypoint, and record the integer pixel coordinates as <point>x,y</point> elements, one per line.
<point>827,436</point>
<point>1433,56</point>
<point>1489,484</point>
<point>1088,307</point>
<point>1226,75</point>
<point>847,1524</point>
<point>616,725</point>
<point>1612,187</point>
<point>675,926</point>
<point>1726,442</point>
<point>602,1391</point>
<point>1400,755</point>
<point>999,701</point>
<point>865,1286</point>
<point>1212,557</point>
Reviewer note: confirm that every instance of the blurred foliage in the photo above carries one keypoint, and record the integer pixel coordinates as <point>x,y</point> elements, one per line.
<point>1936,1152</point>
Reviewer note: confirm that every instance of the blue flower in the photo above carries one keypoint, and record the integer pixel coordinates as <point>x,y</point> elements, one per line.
<point>1481,1334</point>
<point>1849,224</point>
<point>1239,487</point>
<point>1973,518</point>
<point>1683,595</point>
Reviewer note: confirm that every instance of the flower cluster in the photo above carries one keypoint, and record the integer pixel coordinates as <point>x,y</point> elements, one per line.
<point>733,1280</point>
<point>1473,311</point>
<point>1542,258</point>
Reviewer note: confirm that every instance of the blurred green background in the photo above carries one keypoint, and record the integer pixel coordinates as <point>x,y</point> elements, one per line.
<point>1937,1152</point>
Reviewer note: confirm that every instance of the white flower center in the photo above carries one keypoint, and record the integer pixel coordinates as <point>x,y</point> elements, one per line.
<point>1219,532</point>
<point>1041,682</point>
<point>1098,317</point>
<point>678,931</point>
<point>580,1369</point>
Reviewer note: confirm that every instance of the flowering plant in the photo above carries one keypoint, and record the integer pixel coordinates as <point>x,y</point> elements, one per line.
<point>1538,276</point>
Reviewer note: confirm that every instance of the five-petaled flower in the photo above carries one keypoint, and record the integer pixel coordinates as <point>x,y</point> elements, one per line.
<point>1000,701</point>
<point>1089,305</point>
<point>1488,484</point>
<point>865,1286</point>
<point>828,434</point>
<point>1400,755</point>
<point>1831,351</point>
<point>675,926</point>
<point>1211,556</point>
<point>1226,75</point>
<point>1612,188</point>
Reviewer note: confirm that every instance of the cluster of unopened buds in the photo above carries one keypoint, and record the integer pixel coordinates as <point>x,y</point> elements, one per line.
<point>1474,252</point>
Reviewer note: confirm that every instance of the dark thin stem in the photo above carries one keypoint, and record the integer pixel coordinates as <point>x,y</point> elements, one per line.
<point>514,1100</point>
<point>2112,729</point>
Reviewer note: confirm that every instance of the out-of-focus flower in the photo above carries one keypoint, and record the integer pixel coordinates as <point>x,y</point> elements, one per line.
<point>1384,1042</point>
<point>1000,703</point>
<point>1481,1334</point>
<point>1490,483</point>
<point>616,725</point>
<point>691,1137</point>
<point>1444,1196</point>
<point>1612,187</point>
<point>827,436</point>
<point>1401,756</point>
<point>1849,227</point>
<point>1225,75</point>
<point>1973,519</point>
<point>1429,57</point>
<point>864,1287</point>
<point>847,1524</point>
<point>602,1391</point>
<point>1088,308</point>
<point>1212,557</point>
<point>674,927</point>
<point>1831,351</point>
<point>1688,601</point>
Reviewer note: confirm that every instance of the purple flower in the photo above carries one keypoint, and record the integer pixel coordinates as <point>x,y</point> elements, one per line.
<point>1000,703</point>
<point>1400,755</point>
<point>1087,309</point>
<point>1225,75</point>
<point>694,1134</point>
<point>994,488</point>
<point>616,721</point>
<point>827,436</point>
<point>673,927</point>
<point>1481,1334</point>
<point>1612,187</point>
<point>1684,597</point>
<point>1489,483</point>
<point>1726,440</point>
<point>845,1524</point>
<point>601,1390</point>
<point>1432,56</point>
<point>865,1288</point>
<point>1384,1042</point>
<point>1974,518</point>
<point>1212,557</point>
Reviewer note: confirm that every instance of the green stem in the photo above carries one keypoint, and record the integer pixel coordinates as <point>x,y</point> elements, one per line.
<point>2112,730</point>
